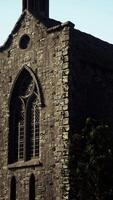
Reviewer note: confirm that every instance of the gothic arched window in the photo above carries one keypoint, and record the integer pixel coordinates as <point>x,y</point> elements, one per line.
<point>32,188</point>
<point>13,189</point>
<point>24,118</point>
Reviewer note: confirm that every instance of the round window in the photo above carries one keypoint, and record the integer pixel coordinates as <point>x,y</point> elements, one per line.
<point>24,41</point>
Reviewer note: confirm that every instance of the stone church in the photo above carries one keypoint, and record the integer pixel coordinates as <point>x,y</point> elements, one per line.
<point>52,77</point>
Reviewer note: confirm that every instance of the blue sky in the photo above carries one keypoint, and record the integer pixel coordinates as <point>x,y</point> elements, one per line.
<point>91,16</point>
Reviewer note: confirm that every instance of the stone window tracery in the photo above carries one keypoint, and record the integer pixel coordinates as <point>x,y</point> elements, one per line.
<point>24,119</point>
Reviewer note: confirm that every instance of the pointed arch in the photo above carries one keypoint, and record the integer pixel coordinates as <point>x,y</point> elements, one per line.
<point>13,189</point>
<point>21,74</point>
<point>24,107</point>
<point>32,187</point>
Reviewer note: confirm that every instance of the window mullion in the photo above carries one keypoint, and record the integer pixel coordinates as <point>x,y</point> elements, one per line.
<point>34,136</point>
<point>25,135</point>
<point>18,140</point>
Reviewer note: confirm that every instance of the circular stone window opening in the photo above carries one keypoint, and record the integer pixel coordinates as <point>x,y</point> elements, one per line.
<point>24,41</point>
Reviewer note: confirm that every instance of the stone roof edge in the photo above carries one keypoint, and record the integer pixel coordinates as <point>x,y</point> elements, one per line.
<point>52,28</point>
<point>60,26</point>
<point>8,41</point>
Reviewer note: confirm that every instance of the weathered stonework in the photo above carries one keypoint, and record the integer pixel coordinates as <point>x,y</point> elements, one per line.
<point>74,71</point>
<point>47,56</point>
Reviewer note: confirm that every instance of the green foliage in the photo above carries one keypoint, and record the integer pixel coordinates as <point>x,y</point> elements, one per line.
<point>94,167</point>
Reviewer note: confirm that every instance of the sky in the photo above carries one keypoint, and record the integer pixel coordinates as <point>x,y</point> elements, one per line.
<point>91,16</point>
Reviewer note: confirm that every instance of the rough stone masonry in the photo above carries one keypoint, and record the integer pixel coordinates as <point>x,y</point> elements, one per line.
<point>65,76</point>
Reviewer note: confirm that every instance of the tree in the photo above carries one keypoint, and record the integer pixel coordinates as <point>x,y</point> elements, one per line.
<point>94,162</point>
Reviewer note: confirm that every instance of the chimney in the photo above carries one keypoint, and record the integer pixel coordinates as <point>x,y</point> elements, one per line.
<point>36,7</point>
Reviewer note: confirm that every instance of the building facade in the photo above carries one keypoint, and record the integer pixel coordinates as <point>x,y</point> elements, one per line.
<point>52,78</point>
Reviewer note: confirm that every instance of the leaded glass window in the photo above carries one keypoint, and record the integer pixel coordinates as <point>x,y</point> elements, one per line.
<point>33,110</point>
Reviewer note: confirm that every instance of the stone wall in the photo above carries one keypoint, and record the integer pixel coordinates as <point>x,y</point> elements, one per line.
<point>47,56</point>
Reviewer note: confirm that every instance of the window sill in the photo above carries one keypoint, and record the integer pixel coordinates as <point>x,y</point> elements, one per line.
<point>25,164</point>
